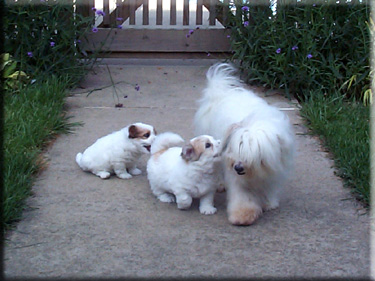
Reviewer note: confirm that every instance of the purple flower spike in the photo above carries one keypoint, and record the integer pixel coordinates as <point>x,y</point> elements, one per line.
<point>309,56</point>
<point>94,30</point>
<point>30,54</point>
<point>245,8</point>
<point>94,9</point>
<point>294,48</point>
<point>278,51</point>
<point>52,44</point>
<point>246,23</point>
<point>100,13</point>
<point>137,87</point>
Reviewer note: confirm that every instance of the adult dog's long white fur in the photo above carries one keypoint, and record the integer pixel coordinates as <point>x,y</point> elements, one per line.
<point>258,143</point>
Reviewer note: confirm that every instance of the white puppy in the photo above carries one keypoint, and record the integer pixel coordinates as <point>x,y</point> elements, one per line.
<point>184,172</point>
<point>258,143</point>
<point>118,152</point>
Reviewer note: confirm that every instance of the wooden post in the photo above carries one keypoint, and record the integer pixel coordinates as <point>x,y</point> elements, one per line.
<point>186,13</point>
<point>145,13</point>
<point>199,13</point>
<point>106,20</point>
<point>212,17</point>
<point>225,13</point>
<point>173,13</point>
<point>84,8</point>
<point>132,12</point>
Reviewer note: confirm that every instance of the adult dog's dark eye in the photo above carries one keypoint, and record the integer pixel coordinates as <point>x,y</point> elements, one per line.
<point>146,135</point>
<point>208,145</point>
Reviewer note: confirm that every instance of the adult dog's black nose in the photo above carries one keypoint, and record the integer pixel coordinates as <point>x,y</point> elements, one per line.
<point>239,169</point>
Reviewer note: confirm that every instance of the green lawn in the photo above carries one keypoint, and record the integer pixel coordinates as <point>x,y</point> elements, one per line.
<point>32,117</point>
<point>344,128</point>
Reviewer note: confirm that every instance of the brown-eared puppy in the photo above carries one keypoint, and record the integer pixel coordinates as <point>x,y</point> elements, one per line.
<point>179,174</point>
<point>118,152</point>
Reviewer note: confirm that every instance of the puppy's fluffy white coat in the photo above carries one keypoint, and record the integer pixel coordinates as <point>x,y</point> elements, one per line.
<point>183,173</point>
<point>258,143</point>
<point>118,152</point>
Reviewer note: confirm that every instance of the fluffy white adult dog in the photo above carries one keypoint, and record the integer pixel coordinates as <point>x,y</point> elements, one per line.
<point>258,143</point>
<point>118,152</point>
<point>183,173</point>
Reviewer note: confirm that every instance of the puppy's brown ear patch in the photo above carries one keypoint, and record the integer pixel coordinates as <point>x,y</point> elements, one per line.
<point>133,132</point>
<point>188,153</point>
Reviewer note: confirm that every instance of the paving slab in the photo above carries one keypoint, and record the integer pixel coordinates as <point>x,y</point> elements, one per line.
<point>77,225</point>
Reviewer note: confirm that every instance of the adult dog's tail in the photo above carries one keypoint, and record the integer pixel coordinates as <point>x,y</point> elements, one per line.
<point>166,140</point>
<point>220,78</point>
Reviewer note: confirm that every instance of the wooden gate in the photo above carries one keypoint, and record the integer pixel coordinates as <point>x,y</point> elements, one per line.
<point>158,26</point>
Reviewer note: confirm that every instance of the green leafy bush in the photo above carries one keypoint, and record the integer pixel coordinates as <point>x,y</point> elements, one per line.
<point>304,47</point>
<point>45,37</point>
<point>13,79</point>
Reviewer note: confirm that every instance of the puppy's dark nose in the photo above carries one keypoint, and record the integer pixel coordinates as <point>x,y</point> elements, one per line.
<point>239,169</point>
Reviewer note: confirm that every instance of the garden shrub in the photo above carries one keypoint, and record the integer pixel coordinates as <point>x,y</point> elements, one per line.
<point>304,47</point>
<point>45,37</point>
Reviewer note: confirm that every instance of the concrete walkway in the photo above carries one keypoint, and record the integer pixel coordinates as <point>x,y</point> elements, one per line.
<point>78,225</point>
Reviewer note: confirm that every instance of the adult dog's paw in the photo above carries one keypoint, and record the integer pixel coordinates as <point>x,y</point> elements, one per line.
<point>244,216</point>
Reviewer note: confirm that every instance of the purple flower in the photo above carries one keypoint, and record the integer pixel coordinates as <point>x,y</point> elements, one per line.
<point>309,56</point>
<point>208,54</point>
<point>191,31</point>
<point>94,29</point>
<point>246,23</point>
<point>197,27</point>
<point>52,44</point>
<point>278,51</point>
<point>245,8</point>
<point>94,9</point>
<point>119,19</point>
<point>187,35</point>
<point>119,26</point>
<point>136,87</point>
<point>30,54</point>
<point>294,48</point>
<point>228,36</point>
<point>100,13</point>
